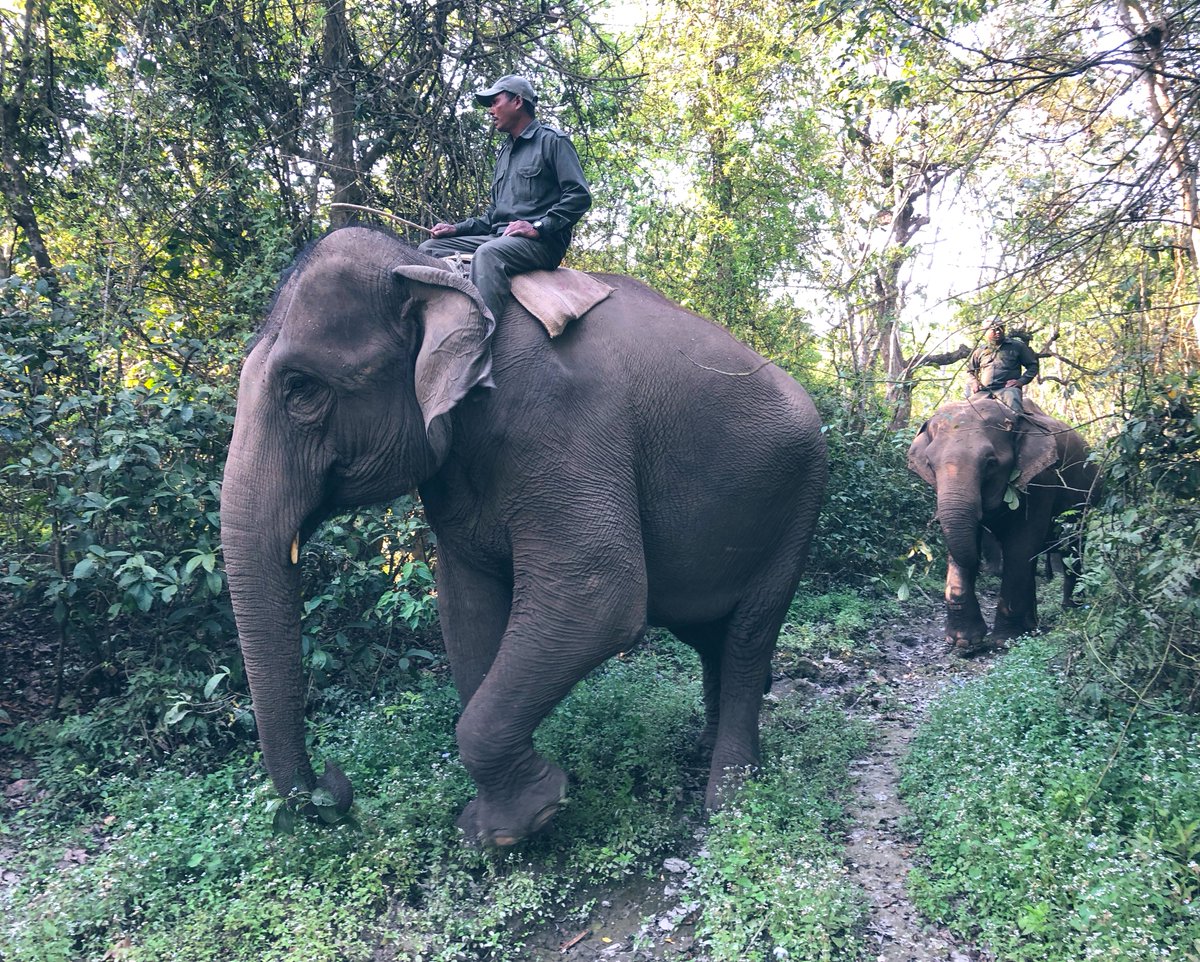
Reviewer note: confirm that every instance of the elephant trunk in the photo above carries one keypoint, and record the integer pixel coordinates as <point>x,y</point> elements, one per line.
<point>260,527</point>
<point>960,515</point>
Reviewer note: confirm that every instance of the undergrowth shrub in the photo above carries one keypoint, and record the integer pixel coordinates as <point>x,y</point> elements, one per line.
<point>1141,631</point>
<point>111,492</point>
<point>832,622</point>
<point>110,523</point>
<point>771,881</point>
<point>172,865</point>
<point>1056,831</point>
<point>369,599</point>
<point>875,508</point>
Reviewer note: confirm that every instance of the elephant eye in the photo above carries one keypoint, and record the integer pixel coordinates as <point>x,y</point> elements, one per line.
<point>307,398</point>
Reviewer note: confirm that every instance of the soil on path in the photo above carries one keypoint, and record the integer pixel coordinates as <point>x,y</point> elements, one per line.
<point>892,687</point>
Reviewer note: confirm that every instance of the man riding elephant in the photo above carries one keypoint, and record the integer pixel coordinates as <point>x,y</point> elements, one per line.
<point>539,193</point>
<point>1001,367</point>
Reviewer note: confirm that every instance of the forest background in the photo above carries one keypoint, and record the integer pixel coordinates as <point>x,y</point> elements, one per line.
<point>853,189</point>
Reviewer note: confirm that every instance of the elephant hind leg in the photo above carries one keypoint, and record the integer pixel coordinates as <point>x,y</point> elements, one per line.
<point>745,670</point>
<point>708,641</point>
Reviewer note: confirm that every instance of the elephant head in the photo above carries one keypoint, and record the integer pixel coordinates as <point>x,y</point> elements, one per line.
<point>342,402</point>
<point>970,452</point>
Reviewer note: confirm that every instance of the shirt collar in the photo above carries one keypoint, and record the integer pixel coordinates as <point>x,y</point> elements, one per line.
<point>530,130</point>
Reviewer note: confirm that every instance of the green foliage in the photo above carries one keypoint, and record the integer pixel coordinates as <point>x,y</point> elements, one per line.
<point>110,523</point>
<point>772,882</point>
<point>369,600</point>
<point>111,496</point>
<point>172,864</point>
<point>715,206</point>
<point>187,867</point>
<point>1141,630</point>
<point>832,623</point>
<point>875,509</point>
<point>1052,831</point>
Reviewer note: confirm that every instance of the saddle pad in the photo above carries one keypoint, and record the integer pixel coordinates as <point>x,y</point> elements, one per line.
<point>559,296</point>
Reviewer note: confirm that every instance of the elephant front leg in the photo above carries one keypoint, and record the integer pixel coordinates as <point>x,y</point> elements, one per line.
<point>965,627</point>
<point>559,630</point>
<point>473,607</point>
<point>1016,611</point>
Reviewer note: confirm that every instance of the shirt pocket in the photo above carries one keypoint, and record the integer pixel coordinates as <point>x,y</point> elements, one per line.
<point>527,179</point>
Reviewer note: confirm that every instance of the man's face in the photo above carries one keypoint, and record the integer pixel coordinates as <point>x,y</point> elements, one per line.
<point>995,335</point>
<point>506,112</point>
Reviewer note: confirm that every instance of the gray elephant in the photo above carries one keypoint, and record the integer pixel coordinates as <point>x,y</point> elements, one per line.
<point>993,469</point>
<point>644,468</point>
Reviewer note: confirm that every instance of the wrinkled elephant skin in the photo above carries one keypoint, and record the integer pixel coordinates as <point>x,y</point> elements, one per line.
<point>644,468</point>
<point>969,452</point>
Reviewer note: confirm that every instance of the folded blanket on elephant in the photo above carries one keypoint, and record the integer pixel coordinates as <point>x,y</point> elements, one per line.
<point>559,296</point>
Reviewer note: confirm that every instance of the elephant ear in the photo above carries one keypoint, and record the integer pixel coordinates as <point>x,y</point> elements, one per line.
<point>1037,450</point>
<point>918,463</point>
<point>456,344</point>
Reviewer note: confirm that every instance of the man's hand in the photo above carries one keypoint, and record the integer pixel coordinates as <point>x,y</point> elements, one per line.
<point>521,228</point>
<point>443,230</point>
<point>1013,383</point>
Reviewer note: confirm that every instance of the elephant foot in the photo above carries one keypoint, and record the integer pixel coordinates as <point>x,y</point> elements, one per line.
<point>960,642</point>
<point>962,648</point>
<point>486,822</point>
<point>965,627</point>
<point>1007,630</point>
<point>726,775</point>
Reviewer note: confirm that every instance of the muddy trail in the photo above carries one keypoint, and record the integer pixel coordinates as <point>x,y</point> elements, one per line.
<point>892,687</point>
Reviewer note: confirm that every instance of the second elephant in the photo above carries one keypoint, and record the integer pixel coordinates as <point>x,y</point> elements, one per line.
<point>1012,476</point>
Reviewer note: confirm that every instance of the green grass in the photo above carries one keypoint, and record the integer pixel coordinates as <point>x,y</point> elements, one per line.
<point>771,878</point>
<point>1054,831</point>
<point>833,623</point>
<point>182,864</point>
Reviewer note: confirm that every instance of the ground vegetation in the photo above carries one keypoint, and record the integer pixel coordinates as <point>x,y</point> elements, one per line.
<point>853,189</point>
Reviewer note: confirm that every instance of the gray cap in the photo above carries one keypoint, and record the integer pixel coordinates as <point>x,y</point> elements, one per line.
<point>510,85</point>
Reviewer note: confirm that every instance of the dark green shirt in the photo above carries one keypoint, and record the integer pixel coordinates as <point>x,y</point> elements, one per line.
<point>538,177</point>
<point>1010,360</point>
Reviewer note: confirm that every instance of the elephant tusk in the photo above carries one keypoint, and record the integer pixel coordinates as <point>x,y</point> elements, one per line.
<point>296,549</point>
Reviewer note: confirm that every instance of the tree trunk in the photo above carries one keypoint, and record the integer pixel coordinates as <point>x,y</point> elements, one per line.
<point>343,167</point>
<point>1150,33</point>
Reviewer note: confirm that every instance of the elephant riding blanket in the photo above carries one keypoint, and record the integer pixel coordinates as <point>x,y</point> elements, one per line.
<point>1012,475</point>
<point>644,468</point>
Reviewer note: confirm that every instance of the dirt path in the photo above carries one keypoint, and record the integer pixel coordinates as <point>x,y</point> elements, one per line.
<point>892,688</point>
<point>913,670</point>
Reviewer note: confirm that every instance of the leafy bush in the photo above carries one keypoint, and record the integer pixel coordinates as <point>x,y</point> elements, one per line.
<point>111,523</point>
<point>875,509</point>
<point>368,595</point>
<point>185,866</point>
<point>110,518</point>
<point>833,622</point>
<point>1054,832</point>
<point>1141,632</point>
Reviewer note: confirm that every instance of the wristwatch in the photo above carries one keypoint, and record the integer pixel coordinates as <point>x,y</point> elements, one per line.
<point>537,224</point>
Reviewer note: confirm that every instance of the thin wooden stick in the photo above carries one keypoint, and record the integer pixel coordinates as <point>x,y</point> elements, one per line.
<point>384,213</point>
<point>574,941</point>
